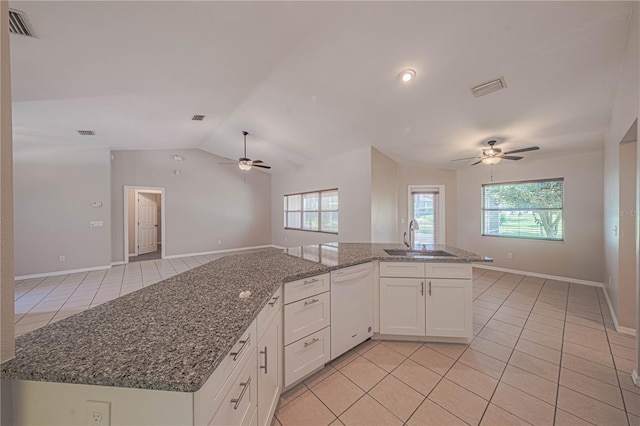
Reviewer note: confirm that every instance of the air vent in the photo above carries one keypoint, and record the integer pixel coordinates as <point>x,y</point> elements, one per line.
<point>488,87</point>
<point>18,24</point>
<point>198,117</point>
<point>87,132</point>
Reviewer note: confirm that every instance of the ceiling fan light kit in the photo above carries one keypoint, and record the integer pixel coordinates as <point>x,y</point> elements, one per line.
<point>491,160</point>
<point>244,163</point>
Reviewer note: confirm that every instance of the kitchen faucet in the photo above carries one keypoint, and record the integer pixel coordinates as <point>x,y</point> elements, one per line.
<point>413,225</point>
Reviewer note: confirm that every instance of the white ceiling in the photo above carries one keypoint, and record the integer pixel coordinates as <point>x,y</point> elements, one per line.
<point>310,80</point>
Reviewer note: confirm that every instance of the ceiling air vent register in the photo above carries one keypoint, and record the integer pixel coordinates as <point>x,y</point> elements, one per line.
<point>18,24</point>
<point>87,132</point>
<point>488,87</point>
<point>198,117</point>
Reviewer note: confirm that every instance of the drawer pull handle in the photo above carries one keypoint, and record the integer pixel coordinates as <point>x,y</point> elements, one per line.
<point>239,351</point>
<point>429,288</point>
<point>265,360</point>
<point>244,386</point>
<point>273,301</point>
<point>311,302</point>
<point>315,280</point>
<point>314,340</point>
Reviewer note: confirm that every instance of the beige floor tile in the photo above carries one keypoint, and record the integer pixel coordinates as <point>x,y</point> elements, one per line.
<point>510,319</point>
<point>483,363</point>
<point>542,339</point>
<point>499,337</point>
<point>626,382</point>
<point>337,392</point>
<point>483,311</point>
<point>543,329</point>
<point>551,313</point>
<point>587,331</point>
<point>522,405</point>
<point>504,327</point>
<point>622,340</point>
<point>384,357</point>
<point>319,376</point>
<point>632,402</point>
<point>591,369</point>
<point>588,354</point>
<point>473,380</point>
<point>418,377</point>
<point>459,401</point>
<point>344,359</point>
<point>292,394</point>
<point>591,387</point>
<point>305,410</point>
<point>452,350</point>
<point>565,419</point>
<point>397,397</point>
<point>433,360</point>
<point>539,351</point>
<point>544,369</point>
<point>496,416</point>
<point>633,420</point>
<point>530,383</point>
<point>623,364</point>
<point>486,305</point>
<point>367,345</point>
<point>431,414</point>
<point>403,348</point>
<point>490,348</point>
<point>275,421</point>
<point>598,344</point>
<point>585,322</point>
<point>363,373</point>
<point>583,314</point>
<point>623,352</point>
<point>336,422</point>
<point>514,312</point>
<point>546,320</point>
<point>368,411</point>
<point>589,409</point>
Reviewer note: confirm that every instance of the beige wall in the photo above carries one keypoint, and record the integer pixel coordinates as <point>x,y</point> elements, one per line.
<point>7,344</point>
<point>208,207</point>
<point>580,255</point>
<point>384,198</point>
<point>627,236</point>
<point>53,192</point>
<point>426,175</point>
<point>350,172</point>
<point>131,218</point>
<point>624,113</point>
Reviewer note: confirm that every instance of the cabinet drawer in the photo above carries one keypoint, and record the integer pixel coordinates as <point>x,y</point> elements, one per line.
<point>448,270</point>
<point>227,370</point>
<point>306,355</point>
<point>402,269</point>
<point>268,312</point>
<point>296,290</point>
<point>306,316</point>
<point>237,402</point>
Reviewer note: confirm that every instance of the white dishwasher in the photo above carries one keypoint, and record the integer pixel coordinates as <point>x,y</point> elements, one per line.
<point>351,307</point>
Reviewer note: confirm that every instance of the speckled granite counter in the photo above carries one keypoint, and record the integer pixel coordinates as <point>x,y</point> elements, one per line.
<point>173,334</point>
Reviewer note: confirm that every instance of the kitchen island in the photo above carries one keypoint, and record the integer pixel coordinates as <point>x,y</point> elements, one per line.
<point>173,335</point>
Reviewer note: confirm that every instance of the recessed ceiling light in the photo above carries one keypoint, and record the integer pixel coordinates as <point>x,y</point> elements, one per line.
<point>178,157</point>
<point>407,75</point>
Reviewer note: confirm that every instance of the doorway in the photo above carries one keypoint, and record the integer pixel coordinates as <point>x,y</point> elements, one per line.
<point>143,223</point>
<point>426,206</point>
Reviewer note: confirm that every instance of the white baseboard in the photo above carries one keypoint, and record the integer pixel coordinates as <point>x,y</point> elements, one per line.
<point>118,263</point>
<point>536,274</point>
<point>68,271</point>
<point>634,377</point>
<point>176,256</point>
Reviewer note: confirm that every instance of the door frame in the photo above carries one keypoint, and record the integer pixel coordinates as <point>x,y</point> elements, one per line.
<point>440,224</point>
<point>147,189</point>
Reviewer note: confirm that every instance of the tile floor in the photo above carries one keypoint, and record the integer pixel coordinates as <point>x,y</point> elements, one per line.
<point>545,352</point>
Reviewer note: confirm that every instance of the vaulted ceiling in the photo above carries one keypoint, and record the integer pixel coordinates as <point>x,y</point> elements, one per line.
<point>309,80</point>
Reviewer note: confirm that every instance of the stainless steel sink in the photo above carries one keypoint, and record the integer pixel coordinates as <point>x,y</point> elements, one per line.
<point>418,253</point>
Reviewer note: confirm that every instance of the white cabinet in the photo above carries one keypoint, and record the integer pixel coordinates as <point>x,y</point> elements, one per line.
<point>269,368</point>
<point>402,306</point>
<point>430,300</point>
<point>306,355</point>
<point>306,316</point>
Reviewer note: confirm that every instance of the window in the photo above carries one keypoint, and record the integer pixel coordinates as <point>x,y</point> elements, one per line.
<point>528,209</point>
<point>312,211</point>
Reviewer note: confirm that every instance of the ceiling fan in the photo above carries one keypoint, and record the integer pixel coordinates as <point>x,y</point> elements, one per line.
<point>245,163</point>
<point>494,155</point>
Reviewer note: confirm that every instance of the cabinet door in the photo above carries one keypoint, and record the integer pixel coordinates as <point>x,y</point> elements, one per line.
<point>449,308</point>
<point>269,370</point>
<point>402,306</point>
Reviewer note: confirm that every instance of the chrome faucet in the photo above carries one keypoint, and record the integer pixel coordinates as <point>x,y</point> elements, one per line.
<point>413,225</point>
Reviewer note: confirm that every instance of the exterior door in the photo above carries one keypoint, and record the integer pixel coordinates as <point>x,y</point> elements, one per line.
<point>402,306</point>
<point>147,223</point>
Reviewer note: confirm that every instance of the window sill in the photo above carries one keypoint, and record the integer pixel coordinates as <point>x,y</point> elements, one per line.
<point>310,230</point>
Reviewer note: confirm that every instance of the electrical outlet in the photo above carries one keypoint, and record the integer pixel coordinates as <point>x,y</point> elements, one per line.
<point>61,258</point>
<point>98,413</point>
<point>509,255</point>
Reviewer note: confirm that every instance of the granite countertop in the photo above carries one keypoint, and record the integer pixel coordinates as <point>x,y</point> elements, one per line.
<point>172,335</point>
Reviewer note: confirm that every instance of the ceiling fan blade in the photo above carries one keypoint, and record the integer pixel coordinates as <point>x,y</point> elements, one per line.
<point>257,161</point>
<point>531,148</point>
<point>477,162</point>
<point>511,157</point>
<point>229,163</point>
<point>469,158</point>
<point>262,167</point>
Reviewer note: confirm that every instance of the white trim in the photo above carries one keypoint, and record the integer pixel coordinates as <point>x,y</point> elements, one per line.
<point>68,271</point>
<point>118,263</point>
<point>152,189</point>
<point>535,274</point>
<point>175,256</point>
<point>634,377</point>
<point>440,222</point>
<point>618,327</point>
<point>278,247</point>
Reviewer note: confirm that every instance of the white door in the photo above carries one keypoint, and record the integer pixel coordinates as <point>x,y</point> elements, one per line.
<point>402,306</point>
<point>147,223</point>
<point>269,371</point>
<point>449,308</point>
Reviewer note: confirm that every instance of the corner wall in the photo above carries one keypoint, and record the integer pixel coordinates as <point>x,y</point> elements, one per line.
<point>384,198</point>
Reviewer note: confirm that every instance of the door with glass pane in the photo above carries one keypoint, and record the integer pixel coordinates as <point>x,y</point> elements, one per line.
<point>425,207</point>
